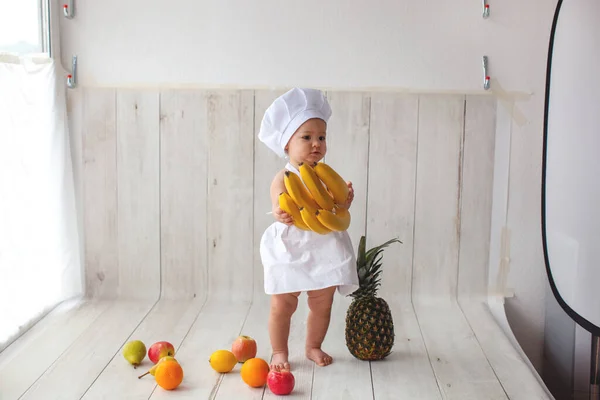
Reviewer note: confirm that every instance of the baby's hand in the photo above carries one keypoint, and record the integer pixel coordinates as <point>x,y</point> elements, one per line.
<point>282,216</point>
<point>348,202</point>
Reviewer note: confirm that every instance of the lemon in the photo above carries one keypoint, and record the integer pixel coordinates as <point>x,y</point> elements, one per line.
<point>222,361</point>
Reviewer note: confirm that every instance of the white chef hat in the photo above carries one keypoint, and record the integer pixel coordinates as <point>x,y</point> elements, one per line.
<point>287,113</point>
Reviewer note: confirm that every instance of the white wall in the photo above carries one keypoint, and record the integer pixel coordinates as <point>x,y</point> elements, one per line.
<point>389,45</point>
<point>424,45</point>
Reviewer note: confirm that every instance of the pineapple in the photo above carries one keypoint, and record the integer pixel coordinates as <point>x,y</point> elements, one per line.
<point>369,325</point>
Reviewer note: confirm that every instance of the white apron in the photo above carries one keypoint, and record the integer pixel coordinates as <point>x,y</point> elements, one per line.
<point>296,260</point>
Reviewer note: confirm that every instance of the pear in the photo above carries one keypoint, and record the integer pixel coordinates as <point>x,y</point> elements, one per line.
<point>134,352</point>
<point>152,370</point>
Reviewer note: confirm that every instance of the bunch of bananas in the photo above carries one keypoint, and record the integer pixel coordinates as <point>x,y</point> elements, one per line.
<point>313,199</point>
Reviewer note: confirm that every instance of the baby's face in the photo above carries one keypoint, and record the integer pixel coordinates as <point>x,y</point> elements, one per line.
<point>308,143</point>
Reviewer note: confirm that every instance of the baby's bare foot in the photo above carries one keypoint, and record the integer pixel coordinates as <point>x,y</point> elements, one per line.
<point>319,357</point>
<point>279,362</point>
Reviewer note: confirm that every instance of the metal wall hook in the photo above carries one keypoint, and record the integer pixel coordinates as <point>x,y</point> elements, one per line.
<point>486,76</point>
<point>72,77</point>
<point>69,9</point>
<point>486,9</point>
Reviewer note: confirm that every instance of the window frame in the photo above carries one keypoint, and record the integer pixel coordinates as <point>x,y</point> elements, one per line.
<point>45,27</point>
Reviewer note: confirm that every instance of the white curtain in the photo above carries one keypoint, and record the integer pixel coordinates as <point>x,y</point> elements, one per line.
<point>39,245</point>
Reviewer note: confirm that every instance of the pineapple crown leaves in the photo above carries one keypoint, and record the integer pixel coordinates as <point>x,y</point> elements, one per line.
<point>369,267</point>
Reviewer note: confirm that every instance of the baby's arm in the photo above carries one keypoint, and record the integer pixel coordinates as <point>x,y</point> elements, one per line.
<point>277,187</point>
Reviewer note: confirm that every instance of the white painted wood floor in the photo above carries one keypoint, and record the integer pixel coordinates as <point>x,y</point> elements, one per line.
<point>440,352</point>
<point>175,190</point>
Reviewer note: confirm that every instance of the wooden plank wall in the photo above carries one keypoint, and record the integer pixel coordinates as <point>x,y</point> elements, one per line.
<point>176,189</point>
<point>183,171</point>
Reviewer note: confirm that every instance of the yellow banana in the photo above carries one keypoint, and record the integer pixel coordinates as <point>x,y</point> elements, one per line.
<point>340,221</point>
<point>310,219</point>
<point>334,182</point>
<point>287,204</point>
<point>298,191</point>
<point>315,187</point>
<point>328,192</point>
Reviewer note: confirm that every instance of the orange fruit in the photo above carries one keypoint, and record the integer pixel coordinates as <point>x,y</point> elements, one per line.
<point>254,372</point>
<point>168,374</point>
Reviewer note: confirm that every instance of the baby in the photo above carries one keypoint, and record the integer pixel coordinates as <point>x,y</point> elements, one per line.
<point>296,260</point>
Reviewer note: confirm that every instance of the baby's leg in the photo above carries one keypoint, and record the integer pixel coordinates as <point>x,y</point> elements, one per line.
<point>319,302</point>
<point>282,308</point>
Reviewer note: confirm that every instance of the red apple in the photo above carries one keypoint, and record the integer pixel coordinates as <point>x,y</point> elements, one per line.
<point>281,382</point>
<point>159,350</point>
<point>244,348</point>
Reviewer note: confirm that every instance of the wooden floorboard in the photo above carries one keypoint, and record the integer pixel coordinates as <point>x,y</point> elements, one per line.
<point>169,320</point>
<point>510,368</point>
<point>460,366</point>
<point>79,366</point>
<point>447,352</point>
<point>28,358</point>
<point>255,325</point>
<point>302,368</point>
<point>217,325</point>
<point>344,364</point>
<point>407,372</point>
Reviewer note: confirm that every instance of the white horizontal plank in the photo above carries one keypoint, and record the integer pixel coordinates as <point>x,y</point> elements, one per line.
<point>407,372</point>
<point>255,325</point>
<point>232,386</point>
<point>514,373</point>
<point>345,365</point>
<point>25,360</point>
<point>216,327</point>
<point>169,320</point>
<point>462,370</point>
<point>78,367</point>
<point>467,366</point>
<point>302,368</point>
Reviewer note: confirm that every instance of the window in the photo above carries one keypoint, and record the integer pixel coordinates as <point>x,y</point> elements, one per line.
<point>24,27</point>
